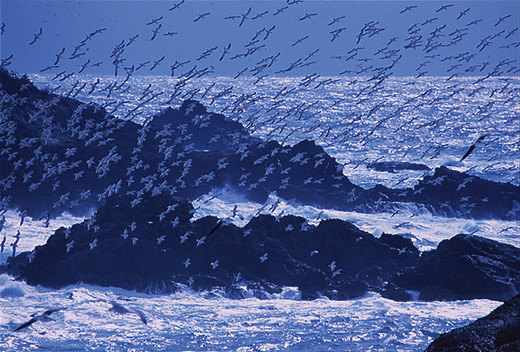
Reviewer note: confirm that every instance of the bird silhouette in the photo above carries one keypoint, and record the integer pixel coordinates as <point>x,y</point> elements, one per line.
<point>43,317</point>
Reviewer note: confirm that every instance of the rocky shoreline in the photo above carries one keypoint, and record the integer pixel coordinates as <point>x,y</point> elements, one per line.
<point>59,154</point>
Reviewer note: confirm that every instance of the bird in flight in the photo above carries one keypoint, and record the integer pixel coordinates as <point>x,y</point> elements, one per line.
<point>45,316</point>
<point>472,147</point>
<point>36,36</point>
<point>408,8</point>
<point>201,16</point>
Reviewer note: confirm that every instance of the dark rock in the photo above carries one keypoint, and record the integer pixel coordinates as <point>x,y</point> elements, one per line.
<point>455,194</point>
<point>465,267</point>
<point>321,260</point>
<point>396,166</point>
<point>499,331</point>
<point>395,293</point>
<point>71,156</point>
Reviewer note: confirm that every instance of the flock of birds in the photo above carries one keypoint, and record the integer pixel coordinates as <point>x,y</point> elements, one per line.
<point>369,72</point>
<point>429,42</point>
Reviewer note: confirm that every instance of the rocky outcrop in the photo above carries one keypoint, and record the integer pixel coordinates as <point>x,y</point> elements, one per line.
<point>154,246</point>
<point>396,166</point>
<point>457,194</point>
<point>499,331</point>
<point>465,267</point>
<point>58,154</point>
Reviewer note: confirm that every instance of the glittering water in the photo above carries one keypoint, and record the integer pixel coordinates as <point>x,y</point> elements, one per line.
<point>191,322</point>
<point>427,120</point>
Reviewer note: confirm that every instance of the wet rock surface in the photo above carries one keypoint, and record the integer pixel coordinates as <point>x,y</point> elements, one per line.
<point>498,331</point>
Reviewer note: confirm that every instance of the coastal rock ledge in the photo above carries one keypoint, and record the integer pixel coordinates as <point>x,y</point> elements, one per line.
<point>498,332</point>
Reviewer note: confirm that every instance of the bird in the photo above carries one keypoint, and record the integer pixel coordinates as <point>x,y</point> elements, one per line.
<point>69,246</point>
<point>36,36</point>
<point>244,17</point>
<point>215,228</point>
<point>307,16</point>
<point>462,13</point>
<point>263,258</point>
<point>473,146</point>
<point>177,5</point>
<point>408,8</point>
<point>200,241</point>
<point>44,317</point>
<point>335,20</point>
<point>93,244</point>
<point>225,51</point>
<point>444,7</point>
<point>280,10</point>
<point>119,309</point>
<point>201,16</point>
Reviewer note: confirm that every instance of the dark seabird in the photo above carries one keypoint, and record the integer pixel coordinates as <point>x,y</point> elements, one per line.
<point>118,308</point>
<point>45,316</point>
<point>479,140</point>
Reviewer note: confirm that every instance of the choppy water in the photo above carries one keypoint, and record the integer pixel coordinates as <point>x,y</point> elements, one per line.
<point>191,322</point>
<point>428,120</point>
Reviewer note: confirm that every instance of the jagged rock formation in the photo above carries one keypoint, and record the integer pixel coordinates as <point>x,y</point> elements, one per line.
<point>499,331</point>
<point>60,154</point>
<point>154,246</point>
<point>465,267</point>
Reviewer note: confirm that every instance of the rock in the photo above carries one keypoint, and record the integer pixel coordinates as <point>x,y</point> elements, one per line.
<point>499,331</point>
<point>465,267</point>
<point>133,247</point>
<point>69,156</point>
<point>396,166</point>
<point>395,293</point>
<point>455,194</point>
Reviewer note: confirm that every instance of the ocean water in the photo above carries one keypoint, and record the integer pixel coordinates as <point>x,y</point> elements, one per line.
<point>189,321</point>
<point>431,120</point>
<point>426,120</point>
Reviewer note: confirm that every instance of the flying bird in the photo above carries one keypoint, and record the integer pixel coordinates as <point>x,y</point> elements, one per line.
<point>201,16</point>
<point>472,147</point>
<point>119,309</point>
<point>44,317</point>
<point>36,36</point>
<point>177,5</point>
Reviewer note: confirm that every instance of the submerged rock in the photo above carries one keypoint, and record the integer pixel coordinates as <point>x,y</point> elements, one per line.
<point>396,166</point>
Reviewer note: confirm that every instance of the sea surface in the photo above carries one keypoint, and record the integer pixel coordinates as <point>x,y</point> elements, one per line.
<point>427,120</point>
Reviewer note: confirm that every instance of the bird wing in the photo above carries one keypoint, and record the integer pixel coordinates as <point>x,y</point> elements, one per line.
<point>26,324</point>
<point>219,223</point>
<point>468,152</point>
<point>141,316</point>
